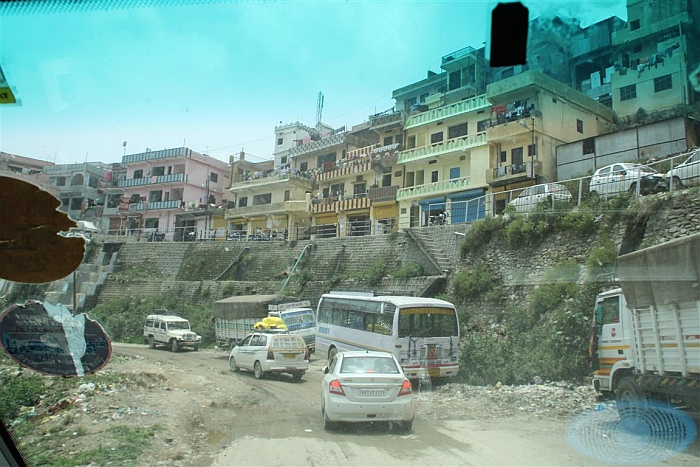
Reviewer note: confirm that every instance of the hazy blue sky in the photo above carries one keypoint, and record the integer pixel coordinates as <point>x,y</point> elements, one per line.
<point>220,76</point>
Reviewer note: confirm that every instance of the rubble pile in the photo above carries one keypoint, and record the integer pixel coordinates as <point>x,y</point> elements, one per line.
<point>460,401</point>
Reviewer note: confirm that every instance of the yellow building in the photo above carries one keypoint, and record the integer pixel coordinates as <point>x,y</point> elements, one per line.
<point>531,115</point>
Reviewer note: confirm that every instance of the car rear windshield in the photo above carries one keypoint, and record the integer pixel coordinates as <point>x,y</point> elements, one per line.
<point>287,343</point>
<point>369,365</point>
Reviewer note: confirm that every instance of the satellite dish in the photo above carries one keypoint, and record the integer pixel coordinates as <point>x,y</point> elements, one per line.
<point>124,144</point>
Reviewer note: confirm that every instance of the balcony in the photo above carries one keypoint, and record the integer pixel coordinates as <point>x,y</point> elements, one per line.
<point>269,180</point>
<point>345,168</point>
<point>383,193</point>
<point>447,111</point>
<point>462,143</point>
<point>323,143</point>
<point>154,205</point>
<point>513,173</point>
<point>360,153</point>
<point>154,180</point>
<point>457,55</point>
<point>152,155</point>
<point>386,120</point>
<point>341,205</point>
<point>433,189</point>
<point>266,209</point>
<point>513,129</point>
<point>626,35</point>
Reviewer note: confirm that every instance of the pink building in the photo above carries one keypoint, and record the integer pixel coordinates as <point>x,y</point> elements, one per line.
<point>168,192</point>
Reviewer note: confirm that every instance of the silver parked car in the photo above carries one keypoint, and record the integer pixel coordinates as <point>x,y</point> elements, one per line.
<point>266,352</point>
<point>686,174</point>
<point>366,387</point>
<point>532,196</point>
<point>626,177</point>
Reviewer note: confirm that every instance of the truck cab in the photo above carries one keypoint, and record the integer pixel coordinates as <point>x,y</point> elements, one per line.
<point>610,338</point>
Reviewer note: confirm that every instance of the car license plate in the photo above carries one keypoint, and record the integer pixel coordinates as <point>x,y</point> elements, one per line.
<point>434,372</point>
<point>372,392</point>
<point>290,356</point>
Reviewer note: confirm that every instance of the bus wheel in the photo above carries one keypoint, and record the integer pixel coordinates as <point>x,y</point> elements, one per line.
<point>331,353</point>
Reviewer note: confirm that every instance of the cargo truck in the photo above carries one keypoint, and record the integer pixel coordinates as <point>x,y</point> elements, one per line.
<point>645,342</point>
<point>236,317</point>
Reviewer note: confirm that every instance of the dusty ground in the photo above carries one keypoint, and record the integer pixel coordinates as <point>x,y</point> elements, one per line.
<point>201,414</point>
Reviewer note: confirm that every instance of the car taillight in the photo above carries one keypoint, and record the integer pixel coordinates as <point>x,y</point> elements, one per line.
<point>335,388</point>
<point>270,355</point>
<point>306,353</point>
<point>406,388</point>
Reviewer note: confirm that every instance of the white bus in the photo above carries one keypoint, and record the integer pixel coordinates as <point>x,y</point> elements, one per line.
<point>422,333</point>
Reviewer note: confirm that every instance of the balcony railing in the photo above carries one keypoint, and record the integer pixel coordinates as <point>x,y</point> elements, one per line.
<point>383,193</point>
<point>273,208</point>
<point>445,186</point>
<point>151,155</point>
<point>344,168</point>
<point>153,205</point>
<point>385,119</point>
<point>359,153</point>
<point>507,173</point>
<point>447,111</point>
<point>453,145</point>
<point>341,205</point>
<point>270,179</point>
<point>323,143</point>
<point>154,180</point>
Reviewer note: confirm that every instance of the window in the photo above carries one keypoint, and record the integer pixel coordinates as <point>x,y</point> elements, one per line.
<point>386,180</point>
<point>262,199</point>
<point>516,155</point>
<point>531,150</point>
<point>398,139</point>
<point>457,130</point>
<point>338,189</point>
<point>634,25</point>
<point>61,181</point>
<point>214,177</point>
<point>155,196</point>
<point>388,140</point>
<point>662,83</point>
<point>77,180</point>
<point>482,125</point>
<point>304,166</point>
<point>436,138</point>
<point>283,160</point>
<point>434,176</point>
<point>589,146</point>
<point>411,142</point>
<point>359,190</point>
<point>158,171</point>
<point>628,92</point>
<point>280,141</point>
<point>151,223</point>
<point>242,201</point>
<point>579,125</point>
<point>329,158</point>
<point>287,195</point>
<point>454,173</point>
<point>138,173</point>
<point>423,97</point>
<point>504,156</point>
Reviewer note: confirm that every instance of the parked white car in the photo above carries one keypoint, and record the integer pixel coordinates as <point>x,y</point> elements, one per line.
<point>624,177</point>
<point>686,174</point>
<point>366,387</point>
<point>269,352</point>
<point>532,196</point>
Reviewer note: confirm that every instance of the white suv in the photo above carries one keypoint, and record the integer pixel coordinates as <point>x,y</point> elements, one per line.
<point>685,174</point>
<point>269,352</point>
<point>170,330</point>
<point>624,177</point>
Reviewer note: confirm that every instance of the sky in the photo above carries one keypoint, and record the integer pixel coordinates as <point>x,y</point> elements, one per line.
<point>218,76</point>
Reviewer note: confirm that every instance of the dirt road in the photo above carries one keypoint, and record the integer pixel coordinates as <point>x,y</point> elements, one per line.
<point>209,416</point>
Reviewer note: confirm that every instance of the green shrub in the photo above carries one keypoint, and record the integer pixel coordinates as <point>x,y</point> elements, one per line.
<point>470,284</point>
<point>526,231</point>
<point>408,270</point>
<point>480,233</point>
<point>581,223</point>
<point>601,259</point>
<point>17,391</point>
<point>484,359</point>
<point>374,274</point>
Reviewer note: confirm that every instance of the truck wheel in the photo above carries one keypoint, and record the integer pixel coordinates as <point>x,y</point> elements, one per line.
<point>196,347</point>
<point>173,345</point>
<point>257,369</point>
<point>296,376</point>
<point>331,354</point>
<point>628,396</point>
<point>151,342</point>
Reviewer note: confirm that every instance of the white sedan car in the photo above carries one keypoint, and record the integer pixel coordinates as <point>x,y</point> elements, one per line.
<point>266,352</point>
<point>685,174</point>
<point>366,387</point>
<point>534,195</point>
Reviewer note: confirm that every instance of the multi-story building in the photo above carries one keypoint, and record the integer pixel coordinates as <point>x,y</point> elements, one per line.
<point>655,55</point>
<point>333,158</point>
<point>267,200</point>
<point>532,114</point>
<point>172,192</point>
<point>446,152</point>
<point>26,168</point>
<point>77,186</point>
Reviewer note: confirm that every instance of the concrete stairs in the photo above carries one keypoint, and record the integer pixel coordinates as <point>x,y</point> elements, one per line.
<point>440,243</point>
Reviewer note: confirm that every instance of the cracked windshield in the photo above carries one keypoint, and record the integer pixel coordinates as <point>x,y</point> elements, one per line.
<point>349,233</point>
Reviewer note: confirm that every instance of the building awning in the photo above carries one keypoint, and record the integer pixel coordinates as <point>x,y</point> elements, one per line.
<point>462,195</point>
<point>425,202</point>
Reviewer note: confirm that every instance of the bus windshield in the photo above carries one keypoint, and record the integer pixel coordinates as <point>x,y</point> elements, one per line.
<point>427,322</point>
